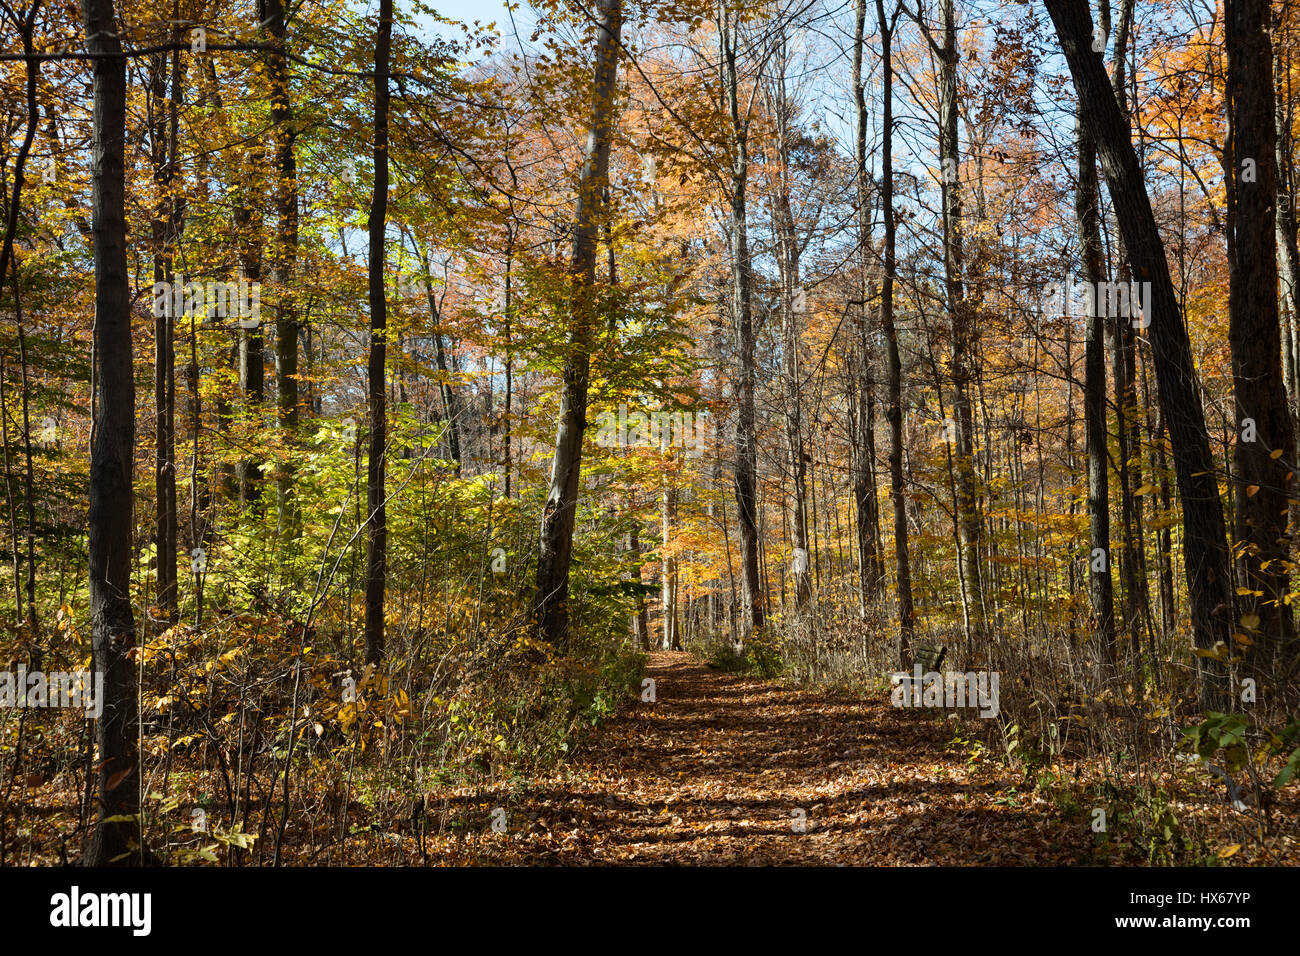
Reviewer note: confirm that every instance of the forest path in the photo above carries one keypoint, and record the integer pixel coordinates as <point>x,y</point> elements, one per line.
<point>719,767</point>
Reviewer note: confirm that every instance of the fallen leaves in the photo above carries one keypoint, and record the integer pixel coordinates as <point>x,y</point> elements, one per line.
<point>729,769</point>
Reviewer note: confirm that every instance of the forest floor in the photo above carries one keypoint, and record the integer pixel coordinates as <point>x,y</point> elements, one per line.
<point>730,769</point>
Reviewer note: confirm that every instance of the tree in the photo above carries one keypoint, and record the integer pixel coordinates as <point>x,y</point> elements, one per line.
<point>893,361</point>
<point>164,104</point>
<point>871,563</point>
<point>1088,223</point>
<point>284,260</point>
<point>742,310</point>
<point>116,836</point>
<point>789,247</point>
<point>1262,472</point>
<point>377,555</point>
<point>555,548</point>
<point>1207,566</point>
<point>962,319</point>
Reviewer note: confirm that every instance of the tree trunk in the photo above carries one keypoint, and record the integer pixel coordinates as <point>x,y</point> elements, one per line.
<point>111,453</point>
<point>1100,586</point>
<point>787,260</point>
<point>959,312</point>
<point>641,616</point>
<point>894,413</point>
<point>668,582</point>
<point>746,472</point>
<point>1261,465</point>
<point>377,555</point>
<point>286,253</point>
<point>1207,565</point>
<point>871,569</point>
<point>163,142</point>
<point>251,347</point>
<point>1288,254</point>
<point>556,540</point>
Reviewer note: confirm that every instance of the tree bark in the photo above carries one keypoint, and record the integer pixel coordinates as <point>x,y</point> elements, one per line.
<point>787,259</point>
<point>164,135</point>
<point>555,547</point>
<point>669,640</point>
<point>959,312</point>
<point>1288,253</point>
<point>1100,583</point>
<point>894,412</point>
<point>1207,564</point>
<point>1262,473</point>
<point>446,387</point>
<point>251,345</point>
<point>111,453</point>
<point>746,470</point>
<point>871,571</point>
<point>286,252</point>
<point>377,555</point>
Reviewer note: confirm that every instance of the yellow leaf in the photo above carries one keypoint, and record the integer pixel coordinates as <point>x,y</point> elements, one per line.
<point>1227,851</point>
<point>1250,621</point>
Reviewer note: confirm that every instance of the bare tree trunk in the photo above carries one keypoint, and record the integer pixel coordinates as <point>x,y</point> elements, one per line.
<point>507,315</point>
<point>1288,254</point>
<point>164,133</point>
<point>286,251</point>
<point>251,346</point>
<point>111,452</point>
<point>746,476</point>
<point>787,259</point>
<point>871,568</point>
<point>556,540</point>
<point>1100,586</point>
<point>451,405</point>
<point>670,640</point>
<point>29,483</point>
<point>1207,565</point>
<point>894,412</point>
<point>11,498</point>
<point>246,206</point>
<point>641,616</point>
<point>959,312</point>
<point>377,555</point>
<point>1262,473</point>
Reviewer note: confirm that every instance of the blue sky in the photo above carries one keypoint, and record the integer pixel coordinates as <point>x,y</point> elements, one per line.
<point>486,11</point>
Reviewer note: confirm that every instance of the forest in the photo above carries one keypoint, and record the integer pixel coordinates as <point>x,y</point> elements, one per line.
<point>694,432</point>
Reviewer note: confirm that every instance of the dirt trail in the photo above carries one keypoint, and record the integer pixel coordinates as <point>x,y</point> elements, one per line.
<point>728,769</point>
